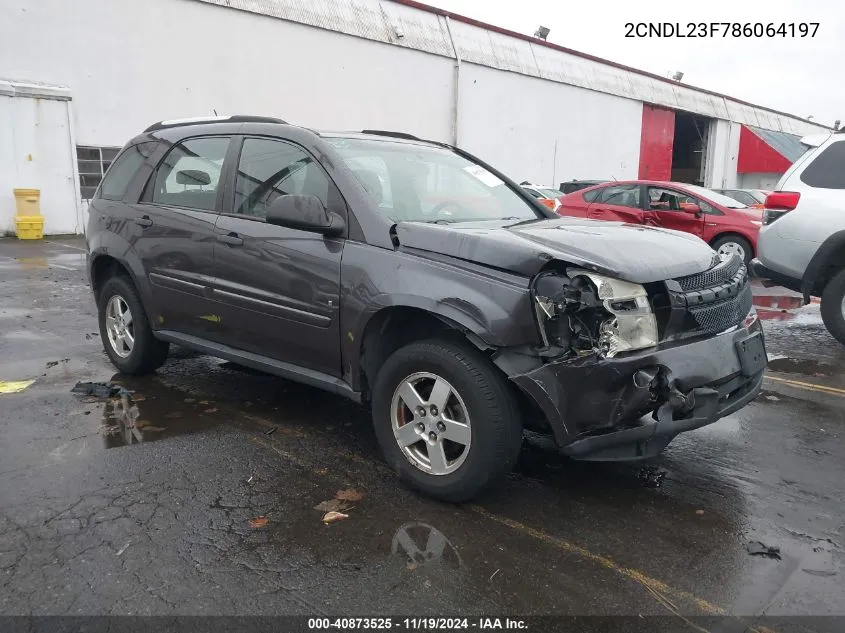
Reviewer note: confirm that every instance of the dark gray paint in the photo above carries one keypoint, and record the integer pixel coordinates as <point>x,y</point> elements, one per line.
<point>299,303</point>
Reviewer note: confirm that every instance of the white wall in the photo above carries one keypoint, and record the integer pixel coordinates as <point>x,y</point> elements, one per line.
<point>758,181</point>
<point>36,152</point>
<point>514,120</point>
<point>130,64</point>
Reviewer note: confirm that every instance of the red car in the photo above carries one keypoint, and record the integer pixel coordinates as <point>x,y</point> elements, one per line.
<point>727,225</point>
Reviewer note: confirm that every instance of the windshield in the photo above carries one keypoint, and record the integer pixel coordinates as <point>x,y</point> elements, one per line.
<point>718,198</point>
<point>422,183</point>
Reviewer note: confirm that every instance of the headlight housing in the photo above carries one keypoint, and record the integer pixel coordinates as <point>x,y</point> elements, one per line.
<point>586,312</point>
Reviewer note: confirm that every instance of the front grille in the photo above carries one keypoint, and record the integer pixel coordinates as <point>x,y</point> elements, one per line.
<point>717,317</point>
<point>723,271</point>
<point>712,301</point>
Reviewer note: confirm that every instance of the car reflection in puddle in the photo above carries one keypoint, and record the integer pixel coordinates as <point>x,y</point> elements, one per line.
<point>421,544</point>
<point>136,418</point>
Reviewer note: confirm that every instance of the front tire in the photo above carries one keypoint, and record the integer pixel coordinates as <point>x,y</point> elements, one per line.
<point>125,331</point>
<point>446,419</point>
<point>833,306</point>
<point>734,245</point>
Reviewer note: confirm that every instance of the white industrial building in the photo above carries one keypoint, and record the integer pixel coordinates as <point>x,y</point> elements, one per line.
<point>77,79</point>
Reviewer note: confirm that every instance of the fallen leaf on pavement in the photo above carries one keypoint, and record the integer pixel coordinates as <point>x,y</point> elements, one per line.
<point>699,512</point>
<point>258,522</point>
<point>332,517</point>
<point>349,495</point>
<point>772,398</point>
<point>211,410</point>
<point>332,505</point>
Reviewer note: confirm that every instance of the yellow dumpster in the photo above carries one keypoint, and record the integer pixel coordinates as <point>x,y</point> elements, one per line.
<point>27,201</point>
<point>29,223</point>
<point>29,227</point>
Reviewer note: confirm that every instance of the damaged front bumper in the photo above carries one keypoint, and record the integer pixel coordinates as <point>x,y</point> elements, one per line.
<point>596,407</point>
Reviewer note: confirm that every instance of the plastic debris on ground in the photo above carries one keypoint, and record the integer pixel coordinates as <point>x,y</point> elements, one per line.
<point>100,389</point>
<point>14,386</point>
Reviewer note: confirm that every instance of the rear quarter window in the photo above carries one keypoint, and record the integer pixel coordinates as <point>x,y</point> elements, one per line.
<point>827,170</point>
<point>590,196</point>
<point>123,170</point>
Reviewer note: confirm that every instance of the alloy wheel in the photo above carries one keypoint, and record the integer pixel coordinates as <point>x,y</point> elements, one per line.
<point>119,326</point>
<point>431,423</point>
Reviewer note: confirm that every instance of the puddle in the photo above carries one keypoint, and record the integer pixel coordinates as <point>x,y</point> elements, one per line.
<point>15,313</point>
<point>802,366</point>
<point>23,335</point>
<point>420,544</point>
<point>148,415</point>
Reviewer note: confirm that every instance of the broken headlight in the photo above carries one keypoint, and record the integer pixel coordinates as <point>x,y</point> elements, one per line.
<point>585,312</point>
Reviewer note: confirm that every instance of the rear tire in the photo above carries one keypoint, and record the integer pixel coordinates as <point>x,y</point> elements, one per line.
<point>832,306</point>
<point>733,244</point>
<point>125,331</point>
<point>477,392</point>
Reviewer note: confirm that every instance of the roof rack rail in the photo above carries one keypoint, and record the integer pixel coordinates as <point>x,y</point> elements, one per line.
<point>405,135</point>
<point>237,118</point>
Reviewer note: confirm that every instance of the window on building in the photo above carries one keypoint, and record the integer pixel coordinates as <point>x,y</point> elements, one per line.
<point>269,169</point>
<point>827,170</point>
<point>189,175</point>
<point>92,164</point>
<point>116,181</point>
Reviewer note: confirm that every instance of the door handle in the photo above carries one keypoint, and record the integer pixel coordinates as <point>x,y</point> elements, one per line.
<point>232,239</point>
<point>144,221</point>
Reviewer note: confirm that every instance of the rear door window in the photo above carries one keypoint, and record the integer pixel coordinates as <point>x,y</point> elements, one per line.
<point>123,170</point>
<point>827,171</point>
<point>190,174</point>
<point>622,196</point>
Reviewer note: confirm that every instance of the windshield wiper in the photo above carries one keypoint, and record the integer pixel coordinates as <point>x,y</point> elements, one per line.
<point>440,221</point>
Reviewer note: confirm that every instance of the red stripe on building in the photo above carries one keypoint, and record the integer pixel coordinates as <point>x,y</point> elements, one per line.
<point>758,157</point>
<point>656,140</point>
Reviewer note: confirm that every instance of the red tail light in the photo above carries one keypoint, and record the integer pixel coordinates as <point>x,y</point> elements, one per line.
<point>778,203</point>
<point>782,200</point>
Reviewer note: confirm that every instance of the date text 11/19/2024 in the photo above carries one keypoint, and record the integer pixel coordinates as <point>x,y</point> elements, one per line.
<point>416,624</point>
<point>721,29</point>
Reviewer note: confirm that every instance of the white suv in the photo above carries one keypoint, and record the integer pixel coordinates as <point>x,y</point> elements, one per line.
<point>802,242</point>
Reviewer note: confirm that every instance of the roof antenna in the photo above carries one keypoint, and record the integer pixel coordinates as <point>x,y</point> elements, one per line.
<point>215,111</point>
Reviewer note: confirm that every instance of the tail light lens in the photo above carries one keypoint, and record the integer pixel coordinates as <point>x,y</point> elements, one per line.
<point>778,203</point>
<point>552,203</point>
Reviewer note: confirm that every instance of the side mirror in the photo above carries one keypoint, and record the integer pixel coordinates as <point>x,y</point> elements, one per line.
<point>694,209</point>
<point>305,213</point>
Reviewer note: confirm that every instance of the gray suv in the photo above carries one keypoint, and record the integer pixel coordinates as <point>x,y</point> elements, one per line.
<point>410,276</point>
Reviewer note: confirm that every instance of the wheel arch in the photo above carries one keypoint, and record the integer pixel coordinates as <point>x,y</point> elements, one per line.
<point>827,260</point>
<point>394,326</point>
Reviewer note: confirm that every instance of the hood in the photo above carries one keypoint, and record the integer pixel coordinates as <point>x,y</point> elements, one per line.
<point>640,254</point>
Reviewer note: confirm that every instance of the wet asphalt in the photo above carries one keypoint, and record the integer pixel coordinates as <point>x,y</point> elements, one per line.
<point>196,493</point>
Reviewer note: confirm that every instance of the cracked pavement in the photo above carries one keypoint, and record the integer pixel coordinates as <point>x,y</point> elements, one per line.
<point>143,505</point>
